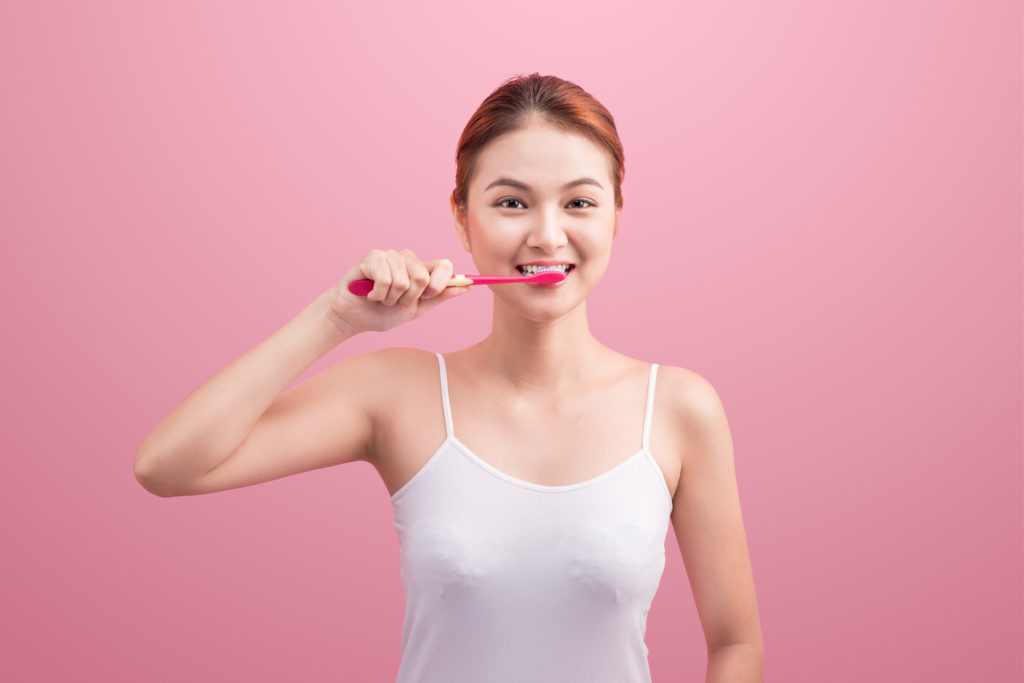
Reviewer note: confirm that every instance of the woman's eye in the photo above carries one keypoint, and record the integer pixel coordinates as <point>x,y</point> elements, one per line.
<point>504,203</point>
<point>576,203</point>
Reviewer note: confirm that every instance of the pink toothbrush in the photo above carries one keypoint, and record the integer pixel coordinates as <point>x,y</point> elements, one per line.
<point>545,277</point>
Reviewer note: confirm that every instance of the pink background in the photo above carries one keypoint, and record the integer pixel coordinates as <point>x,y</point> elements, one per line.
<point>823,200</point>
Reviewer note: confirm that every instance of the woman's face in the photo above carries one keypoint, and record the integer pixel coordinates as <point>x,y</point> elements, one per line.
<point>540,194</point>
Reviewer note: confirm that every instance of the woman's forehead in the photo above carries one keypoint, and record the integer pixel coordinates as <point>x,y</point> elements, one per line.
<point>541,154</point>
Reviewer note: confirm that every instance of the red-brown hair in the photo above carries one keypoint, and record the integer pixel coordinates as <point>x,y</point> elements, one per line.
<point>560,102</point>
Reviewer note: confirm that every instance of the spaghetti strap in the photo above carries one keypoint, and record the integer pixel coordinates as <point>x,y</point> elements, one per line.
<point>649,409</point>
<point>444,398</point>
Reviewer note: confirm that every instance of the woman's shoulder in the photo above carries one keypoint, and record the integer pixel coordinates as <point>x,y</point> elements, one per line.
<point>398,364</point>
<point>686,381</point>
<point>674,377</point>
<point>393,373</point>
<point>692,399</point>
<point>687,393</point>
<point>402,354</point>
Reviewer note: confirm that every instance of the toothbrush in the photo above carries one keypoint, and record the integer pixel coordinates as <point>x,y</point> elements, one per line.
<point>545,277</point>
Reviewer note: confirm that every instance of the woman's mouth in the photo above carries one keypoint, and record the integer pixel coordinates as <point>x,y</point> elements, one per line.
<point>527,270</point>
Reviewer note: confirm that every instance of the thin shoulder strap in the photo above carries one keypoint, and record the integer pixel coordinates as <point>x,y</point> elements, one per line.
<point>444,398</point>
<point>649,410</point>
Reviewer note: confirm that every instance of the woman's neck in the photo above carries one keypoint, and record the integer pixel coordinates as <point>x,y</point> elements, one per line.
<point>539,357</point>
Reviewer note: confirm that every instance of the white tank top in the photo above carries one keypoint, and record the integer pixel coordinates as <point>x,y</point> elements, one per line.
<point>510,581</point>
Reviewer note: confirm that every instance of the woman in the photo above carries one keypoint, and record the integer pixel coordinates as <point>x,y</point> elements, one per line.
<point>532,542</point>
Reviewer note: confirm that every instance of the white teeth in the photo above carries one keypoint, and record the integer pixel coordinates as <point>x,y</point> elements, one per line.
<point>531,270</point>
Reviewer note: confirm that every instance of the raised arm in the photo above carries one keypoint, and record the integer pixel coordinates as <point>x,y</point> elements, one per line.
<point>238,429</point>
<point>709,528</point>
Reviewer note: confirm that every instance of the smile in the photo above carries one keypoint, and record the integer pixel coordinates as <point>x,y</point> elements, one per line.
<point>532,270</point>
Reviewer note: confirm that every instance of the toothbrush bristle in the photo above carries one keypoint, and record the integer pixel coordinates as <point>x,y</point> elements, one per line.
<point>549,277</point>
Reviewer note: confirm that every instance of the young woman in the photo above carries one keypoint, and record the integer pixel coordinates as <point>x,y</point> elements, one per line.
<point>532,474</point>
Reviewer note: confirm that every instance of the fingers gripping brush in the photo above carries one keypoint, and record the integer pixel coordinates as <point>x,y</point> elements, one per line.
<point>545,277</point>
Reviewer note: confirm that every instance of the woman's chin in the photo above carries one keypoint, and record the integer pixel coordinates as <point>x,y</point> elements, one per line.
<point>540,306</point>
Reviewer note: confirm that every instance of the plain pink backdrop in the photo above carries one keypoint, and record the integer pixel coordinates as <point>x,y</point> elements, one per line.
<point>823,214</point>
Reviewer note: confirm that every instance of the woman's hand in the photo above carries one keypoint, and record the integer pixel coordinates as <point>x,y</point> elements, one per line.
<point>404,289</point>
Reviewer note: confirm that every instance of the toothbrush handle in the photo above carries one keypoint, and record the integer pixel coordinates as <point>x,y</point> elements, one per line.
<point>365,286</point>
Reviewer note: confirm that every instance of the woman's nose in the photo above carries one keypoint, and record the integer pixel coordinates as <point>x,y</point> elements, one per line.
<point>546,232</point>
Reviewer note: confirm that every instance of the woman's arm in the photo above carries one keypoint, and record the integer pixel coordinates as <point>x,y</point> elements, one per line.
<point>238,429</point>
<point>230,411</point>
<point>737,663</point>
<point>709,528</point>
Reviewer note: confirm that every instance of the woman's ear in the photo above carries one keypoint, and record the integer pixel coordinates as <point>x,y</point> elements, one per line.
<point>461,227</point>
<point>618,210</point>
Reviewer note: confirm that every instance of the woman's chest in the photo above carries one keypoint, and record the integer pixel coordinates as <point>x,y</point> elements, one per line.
<point>553,447</point>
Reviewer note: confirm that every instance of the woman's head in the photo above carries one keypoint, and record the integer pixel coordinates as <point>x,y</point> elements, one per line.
<point>539,170</point>
<point>512,105</point>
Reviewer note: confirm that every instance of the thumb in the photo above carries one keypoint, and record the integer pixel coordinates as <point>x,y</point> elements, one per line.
<point>447,294</point>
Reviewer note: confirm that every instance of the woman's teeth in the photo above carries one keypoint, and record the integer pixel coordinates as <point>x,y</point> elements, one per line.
<point>532,270</point>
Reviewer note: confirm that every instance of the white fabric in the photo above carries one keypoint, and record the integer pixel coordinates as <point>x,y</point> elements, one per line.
<point>511,581</point>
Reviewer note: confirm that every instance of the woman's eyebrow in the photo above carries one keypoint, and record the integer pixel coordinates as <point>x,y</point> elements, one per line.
<point>523,186</point>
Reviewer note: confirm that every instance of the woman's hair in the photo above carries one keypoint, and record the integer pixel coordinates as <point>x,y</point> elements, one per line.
<point>560,102</point>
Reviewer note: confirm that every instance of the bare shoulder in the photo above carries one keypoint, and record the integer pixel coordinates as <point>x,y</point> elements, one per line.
<point>692,395</point>
<point>398,373</point>
<point>396,365</point>
<point>683,395</point>
<point>693,404</point>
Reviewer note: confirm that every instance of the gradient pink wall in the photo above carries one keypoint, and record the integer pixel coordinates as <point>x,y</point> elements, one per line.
<point>824,201</point>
